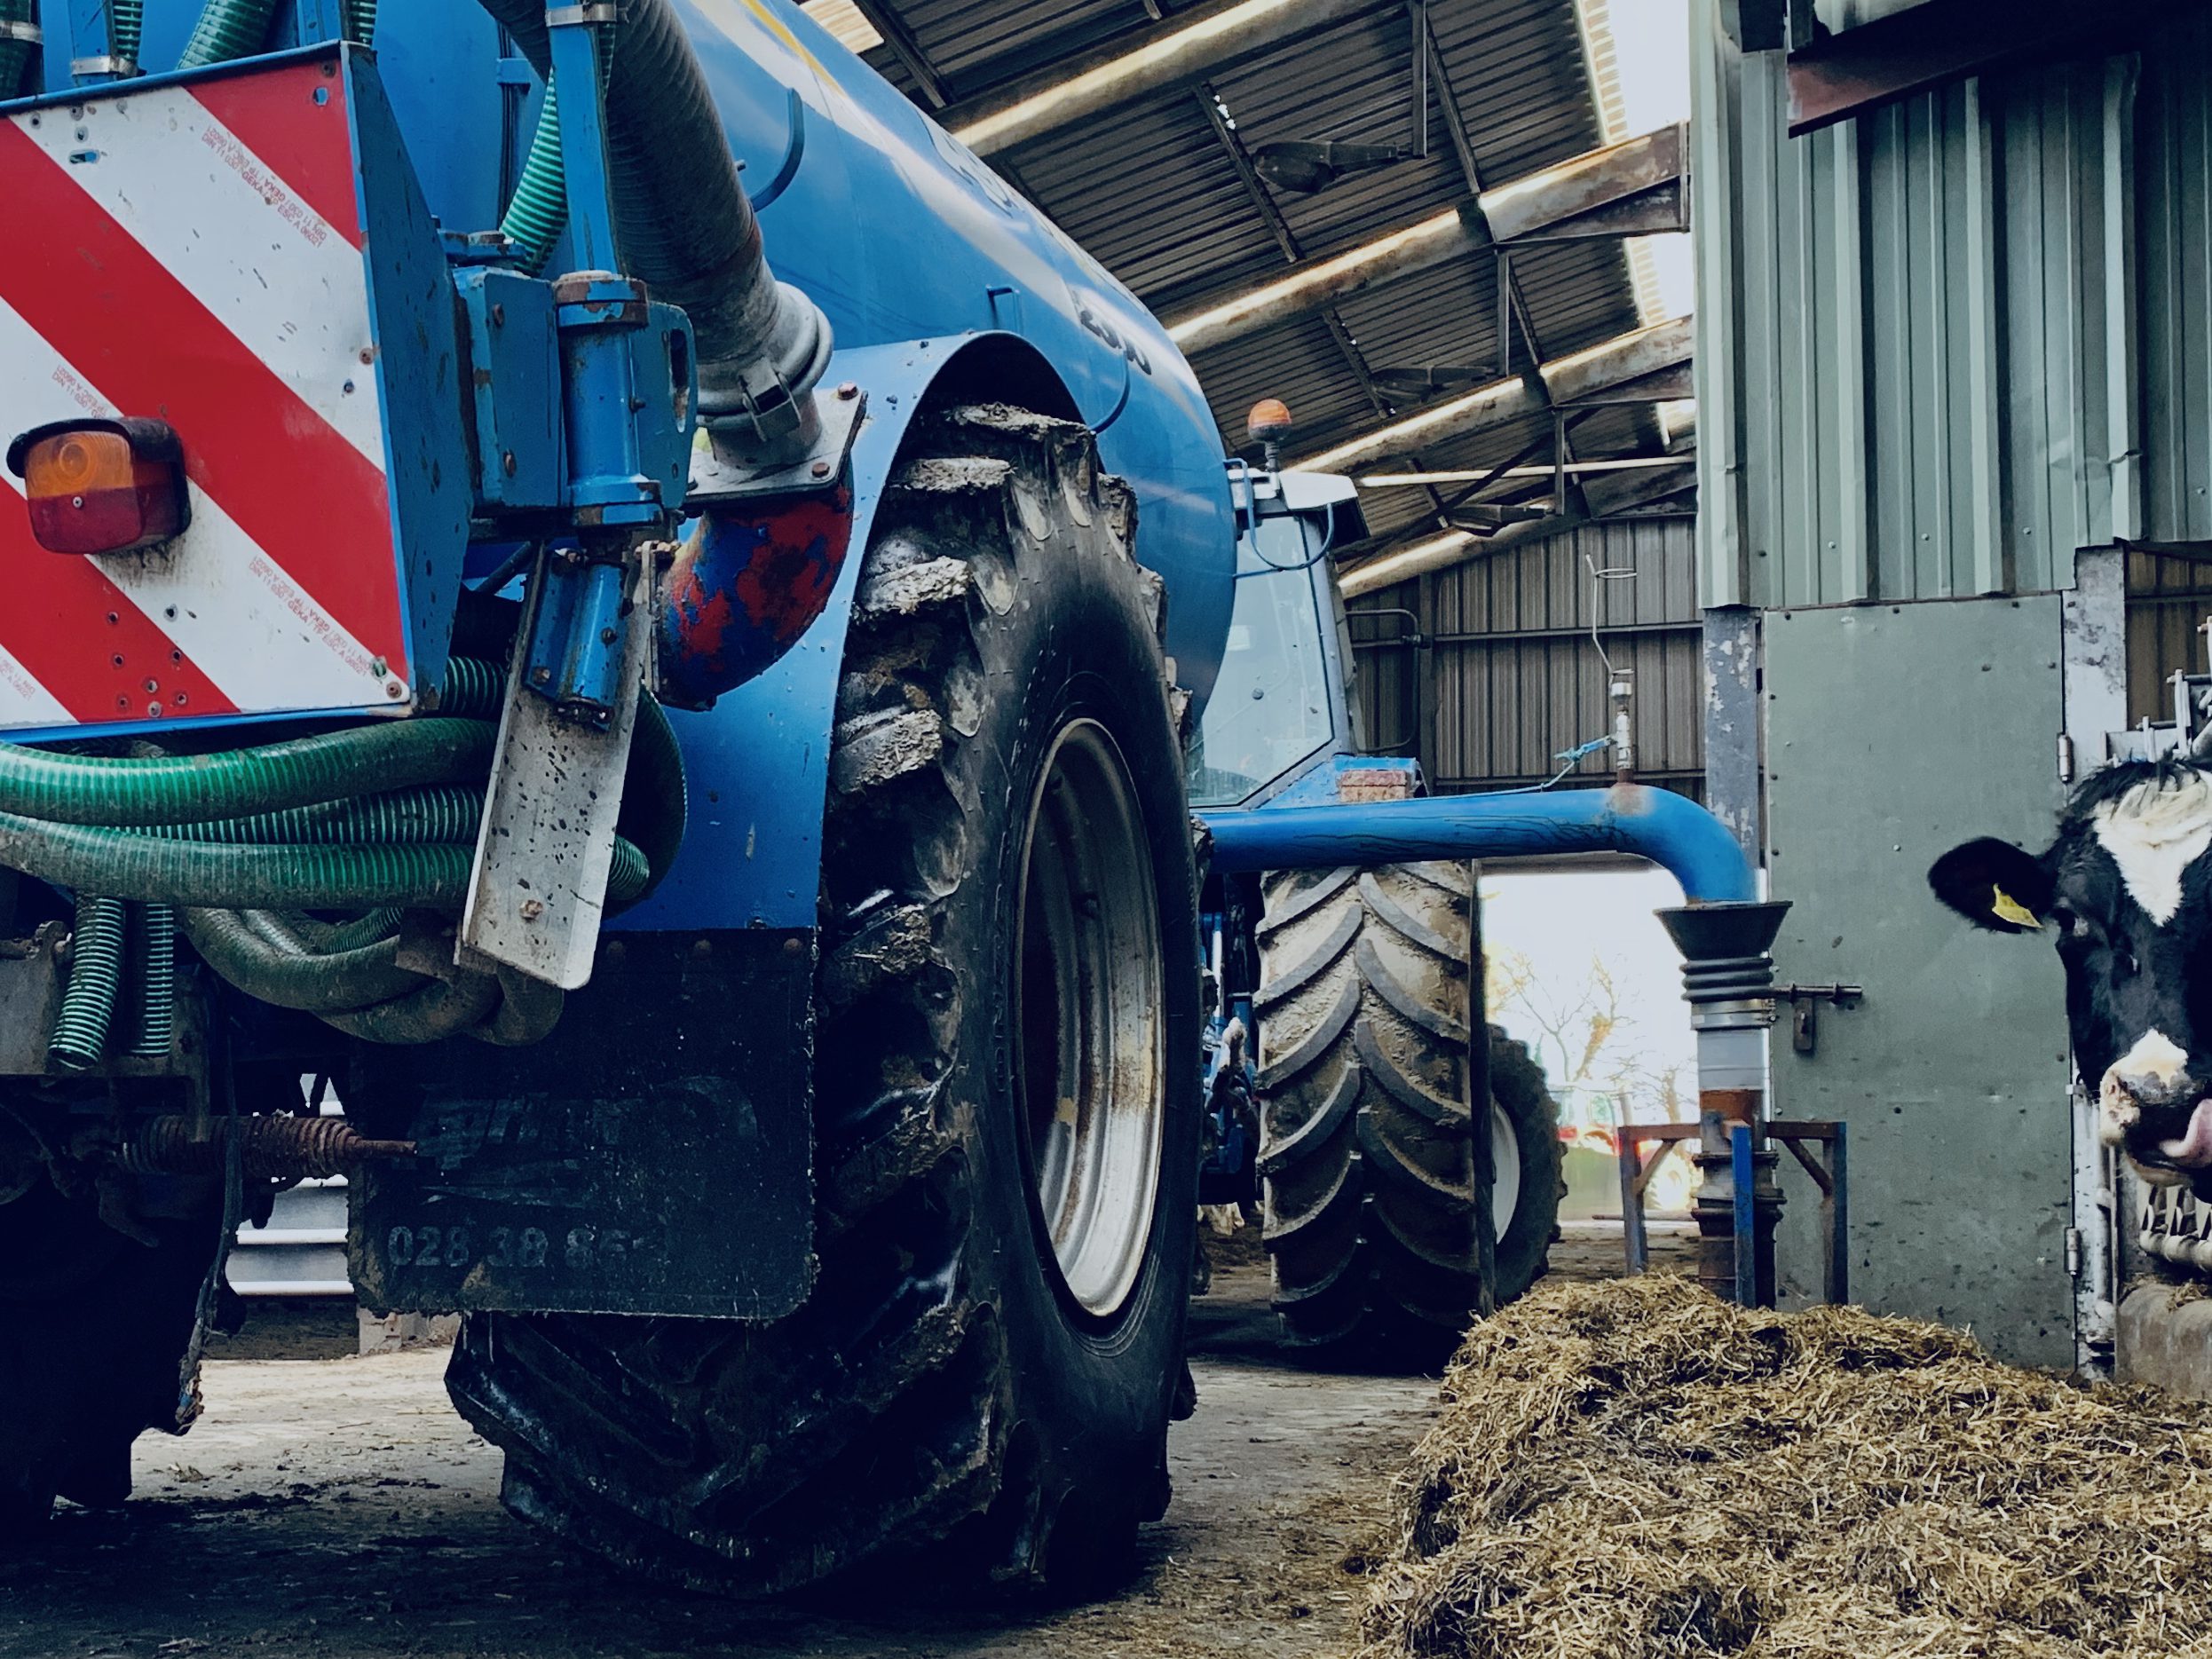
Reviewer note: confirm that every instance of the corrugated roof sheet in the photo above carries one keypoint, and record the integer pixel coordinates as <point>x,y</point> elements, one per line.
<point>1152,191</point>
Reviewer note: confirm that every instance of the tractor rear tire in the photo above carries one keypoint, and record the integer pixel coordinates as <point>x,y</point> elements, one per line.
<point>100,1327</point>
<point>1367,1157</point>
<point>1007,1078</point>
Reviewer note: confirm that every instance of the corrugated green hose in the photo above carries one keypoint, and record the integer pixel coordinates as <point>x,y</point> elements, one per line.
<point>227,29</point>
<point>88,1006</point>
<point>15,54</point>
<point>126,26</point>
<point>190,789</point>
<point>538,210</point>
<point>157,982</point>
<point>230,877</point>
<point>360,21</point>
<point>404,818</point>
<point>296,978</point>
<point>382,818</point>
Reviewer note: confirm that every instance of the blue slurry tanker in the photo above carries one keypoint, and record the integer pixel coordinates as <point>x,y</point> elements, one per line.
<point>585,580</point>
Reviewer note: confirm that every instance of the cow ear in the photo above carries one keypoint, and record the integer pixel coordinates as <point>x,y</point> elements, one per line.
<point>1994,885</point>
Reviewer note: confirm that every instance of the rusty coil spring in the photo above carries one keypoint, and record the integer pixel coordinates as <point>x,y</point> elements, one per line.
<point>271,1149</point>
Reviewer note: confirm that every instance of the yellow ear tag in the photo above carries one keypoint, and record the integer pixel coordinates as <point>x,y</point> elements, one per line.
<point>2009,909</point>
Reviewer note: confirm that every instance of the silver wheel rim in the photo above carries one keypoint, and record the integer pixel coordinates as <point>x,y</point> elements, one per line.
<point>1090,999</point>
<point>1505,1160</point>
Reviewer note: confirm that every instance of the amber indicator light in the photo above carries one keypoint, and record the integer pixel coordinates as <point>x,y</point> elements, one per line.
<point>106,486</point>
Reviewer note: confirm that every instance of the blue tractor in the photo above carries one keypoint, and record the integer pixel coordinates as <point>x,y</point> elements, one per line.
<point>692,754</point>
<point>1342,996</point>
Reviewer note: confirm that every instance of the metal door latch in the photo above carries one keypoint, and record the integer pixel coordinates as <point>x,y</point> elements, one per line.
<point>1805,1002</point>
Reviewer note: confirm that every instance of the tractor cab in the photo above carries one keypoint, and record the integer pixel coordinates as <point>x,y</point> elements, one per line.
<point>1284,707</point>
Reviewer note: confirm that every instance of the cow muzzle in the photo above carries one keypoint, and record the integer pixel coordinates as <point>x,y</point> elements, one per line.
<point>2152,1103</point>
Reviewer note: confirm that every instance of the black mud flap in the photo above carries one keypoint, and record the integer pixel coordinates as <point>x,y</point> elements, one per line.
<point>652,1155</point>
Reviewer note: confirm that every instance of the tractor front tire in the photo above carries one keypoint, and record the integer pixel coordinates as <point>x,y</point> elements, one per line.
<point>1007,1053</point>
<point>1367,1156</point>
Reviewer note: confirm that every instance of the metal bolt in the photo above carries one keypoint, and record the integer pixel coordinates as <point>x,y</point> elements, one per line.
<point>152,686</point>
<point>498,316</point>
<point>792,947</point>
<point>394,690</point>
<point>533,908</point>
<point>848,392</point>
<point>702,947</point>
<point>182,699</point>
<point>368,354</point>
<point>607,636</point>
<point>380,667</point>
<point>820,468</point>
<point>152,711</point>
<point>507,463</point>
<point>541,677</point>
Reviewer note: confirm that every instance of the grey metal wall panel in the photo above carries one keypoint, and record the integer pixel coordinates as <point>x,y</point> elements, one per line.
<point>1952,1072</point>
<point>1513,675</point>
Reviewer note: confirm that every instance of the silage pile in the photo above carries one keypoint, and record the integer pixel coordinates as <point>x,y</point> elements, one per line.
<point>1635,1468</point>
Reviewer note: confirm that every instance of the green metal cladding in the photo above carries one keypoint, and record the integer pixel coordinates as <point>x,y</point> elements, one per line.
<point>1945,344</point>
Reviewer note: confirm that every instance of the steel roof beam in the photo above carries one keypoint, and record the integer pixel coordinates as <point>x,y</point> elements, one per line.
<point>1457,547</point>
<point>1628,188</point>
<point>1184,49</point>
<point>1556,194</point>
<point>1433,242</point>
<point>1582,377</point>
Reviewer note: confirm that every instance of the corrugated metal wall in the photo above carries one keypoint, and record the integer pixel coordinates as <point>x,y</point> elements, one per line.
<point>1508,665</point>
<point>1964,335</point>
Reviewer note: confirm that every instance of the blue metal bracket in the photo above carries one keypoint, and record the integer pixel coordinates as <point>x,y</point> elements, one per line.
<point>1740,1169</point>
<point>89,26</point>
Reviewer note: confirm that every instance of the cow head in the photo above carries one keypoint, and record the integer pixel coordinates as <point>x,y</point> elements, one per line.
<point>2127,890</point>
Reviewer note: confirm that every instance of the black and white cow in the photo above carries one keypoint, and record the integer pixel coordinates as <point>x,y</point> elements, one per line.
<point>2128,890</point>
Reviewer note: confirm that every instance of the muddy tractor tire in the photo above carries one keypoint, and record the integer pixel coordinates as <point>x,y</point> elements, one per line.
<point>1006,1108</point>
<point>1367,1156</point>
<point>99,1325</point>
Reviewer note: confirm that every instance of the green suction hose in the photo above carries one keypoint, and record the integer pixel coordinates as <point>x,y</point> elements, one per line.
<point>88,1006</point>
<point>189,788</point>
<point>126,26</point>
<point>227,29</point>
<point>538,211</point>
<point>295,977</point>
<point>406,817</point>
<point>379,818</point>
<point>157,982</point>
<point>15,54</point>
<point>360,21</point>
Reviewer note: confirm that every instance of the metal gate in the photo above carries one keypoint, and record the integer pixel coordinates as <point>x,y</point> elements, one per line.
<point>1894,733</point>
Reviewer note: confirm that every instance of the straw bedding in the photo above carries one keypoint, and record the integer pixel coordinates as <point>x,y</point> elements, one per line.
<point>1635,1468</point>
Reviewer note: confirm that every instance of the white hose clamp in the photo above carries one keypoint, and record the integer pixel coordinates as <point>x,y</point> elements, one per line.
<point>588,12</point>
<point>13,30</point>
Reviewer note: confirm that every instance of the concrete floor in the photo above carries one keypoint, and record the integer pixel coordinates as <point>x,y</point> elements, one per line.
<point>338,1509</point>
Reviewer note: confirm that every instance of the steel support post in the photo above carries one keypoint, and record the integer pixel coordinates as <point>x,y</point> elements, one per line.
<point>1727,977</point>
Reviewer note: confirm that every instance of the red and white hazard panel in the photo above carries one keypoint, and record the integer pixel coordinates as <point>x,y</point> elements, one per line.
<point>195,256</point>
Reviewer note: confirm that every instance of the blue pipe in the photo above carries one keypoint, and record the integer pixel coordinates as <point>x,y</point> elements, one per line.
<point>1670,830</point>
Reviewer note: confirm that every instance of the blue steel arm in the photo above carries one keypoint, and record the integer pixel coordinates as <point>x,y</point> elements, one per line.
<point>1670,830</point>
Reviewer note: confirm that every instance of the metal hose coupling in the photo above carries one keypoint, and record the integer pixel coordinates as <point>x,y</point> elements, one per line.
<point>269,1148</point>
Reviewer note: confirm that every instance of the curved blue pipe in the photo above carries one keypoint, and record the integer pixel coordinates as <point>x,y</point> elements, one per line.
<point>1670,830</point>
